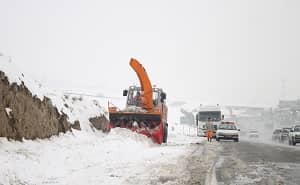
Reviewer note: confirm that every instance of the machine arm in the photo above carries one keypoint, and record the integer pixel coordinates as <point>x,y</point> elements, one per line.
<point>145,82</point>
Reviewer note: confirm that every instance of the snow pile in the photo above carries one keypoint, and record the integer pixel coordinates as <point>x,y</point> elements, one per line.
<point>8,111</point>
<point>83,158</point>
<point>79,108</point>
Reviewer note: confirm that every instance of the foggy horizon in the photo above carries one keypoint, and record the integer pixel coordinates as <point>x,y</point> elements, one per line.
<point>200,52</point>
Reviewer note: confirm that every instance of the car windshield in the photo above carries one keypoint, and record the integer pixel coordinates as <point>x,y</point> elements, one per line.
<point>213,115</point>
<point>227,127</point>
<point>286,130</point>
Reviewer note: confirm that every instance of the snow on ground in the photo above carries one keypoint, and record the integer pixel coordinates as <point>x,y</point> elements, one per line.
<point>78,107</point>
<point>85,158</point>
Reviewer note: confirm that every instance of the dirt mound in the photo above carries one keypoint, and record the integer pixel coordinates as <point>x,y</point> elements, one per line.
<point>25,115</point>
<point>76,125</point>
<point>100,123</point>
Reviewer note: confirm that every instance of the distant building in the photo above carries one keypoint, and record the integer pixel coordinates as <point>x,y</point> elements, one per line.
<point>287,112</point>
<point>289,104</point>
<point>187,118</point>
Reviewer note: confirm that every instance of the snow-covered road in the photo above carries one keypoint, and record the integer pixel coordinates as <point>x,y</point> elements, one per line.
<point>124,157</point>
<point>247,162</point>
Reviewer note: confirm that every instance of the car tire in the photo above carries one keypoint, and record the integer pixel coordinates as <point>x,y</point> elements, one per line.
<point>236,140</point>
<point>217,139</point>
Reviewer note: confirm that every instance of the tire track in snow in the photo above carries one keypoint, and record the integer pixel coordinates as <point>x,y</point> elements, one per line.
<point>202,163</point>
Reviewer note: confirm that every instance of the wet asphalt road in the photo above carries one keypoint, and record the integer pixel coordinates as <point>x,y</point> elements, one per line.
<point>228,163</point>
<point>246,163</point>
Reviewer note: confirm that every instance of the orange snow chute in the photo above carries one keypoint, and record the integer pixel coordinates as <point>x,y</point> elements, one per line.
<point>146,86</point>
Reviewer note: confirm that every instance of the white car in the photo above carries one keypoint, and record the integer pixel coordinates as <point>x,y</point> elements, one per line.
<point>294,135</point>
<point>227,132</point>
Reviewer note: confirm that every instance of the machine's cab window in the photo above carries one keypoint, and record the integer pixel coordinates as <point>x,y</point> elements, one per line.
<point>134,97</point>
<point>155,97</point>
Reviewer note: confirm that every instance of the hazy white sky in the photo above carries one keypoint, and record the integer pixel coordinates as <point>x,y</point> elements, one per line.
<point>228,52</point>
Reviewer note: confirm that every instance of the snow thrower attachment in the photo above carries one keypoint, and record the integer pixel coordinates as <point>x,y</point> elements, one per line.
<point>145,111</point>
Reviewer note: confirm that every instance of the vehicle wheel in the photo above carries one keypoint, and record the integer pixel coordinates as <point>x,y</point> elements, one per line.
<point>236,140</point>
<point>165,138</point>
<point>217,139</point>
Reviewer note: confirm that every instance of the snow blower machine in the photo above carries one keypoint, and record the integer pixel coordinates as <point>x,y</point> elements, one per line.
<point>145,112</point>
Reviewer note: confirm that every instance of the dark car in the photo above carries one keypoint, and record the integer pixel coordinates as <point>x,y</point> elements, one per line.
<point>276,135</point>
<point>284,135</point>
<point>253,134</point>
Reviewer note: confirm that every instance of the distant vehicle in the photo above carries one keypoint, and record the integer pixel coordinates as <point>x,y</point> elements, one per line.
<point>205,112</point>
<point>284,135</point>
<point>276,134</point>
<point>253,134</point>
<point>227,132</point>
<point>294,135</point>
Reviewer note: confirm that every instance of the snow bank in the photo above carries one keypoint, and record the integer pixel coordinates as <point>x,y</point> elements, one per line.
<point>82,158</point>
<point>68,158</point>
<point>78,107</point>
